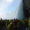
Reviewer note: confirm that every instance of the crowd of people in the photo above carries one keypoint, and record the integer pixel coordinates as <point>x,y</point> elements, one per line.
<point>15,25</point>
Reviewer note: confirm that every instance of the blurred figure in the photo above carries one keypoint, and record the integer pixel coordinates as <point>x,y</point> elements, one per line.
<point>16,25</point>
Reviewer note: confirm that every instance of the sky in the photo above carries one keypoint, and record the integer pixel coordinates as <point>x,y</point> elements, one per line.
<point>9,8</point>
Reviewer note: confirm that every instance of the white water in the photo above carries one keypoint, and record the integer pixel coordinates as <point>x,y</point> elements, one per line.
<point>20,14</point>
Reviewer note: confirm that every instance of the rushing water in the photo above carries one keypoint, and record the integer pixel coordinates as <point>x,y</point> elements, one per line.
<point>20,14</point>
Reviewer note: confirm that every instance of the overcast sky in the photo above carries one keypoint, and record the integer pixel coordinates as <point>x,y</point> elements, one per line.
<point>9,8</point>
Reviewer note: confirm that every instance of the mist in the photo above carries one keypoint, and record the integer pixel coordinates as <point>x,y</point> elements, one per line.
<point>20,14</point>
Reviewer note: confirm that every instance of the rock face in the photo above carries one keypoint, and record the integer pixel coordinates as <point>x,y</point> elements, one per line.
<point>24,9</point>
<point>26,4</point>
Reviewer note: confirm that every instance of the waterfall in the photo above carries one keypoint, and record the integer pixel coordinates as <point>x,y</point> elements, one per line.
<point>20,14</point>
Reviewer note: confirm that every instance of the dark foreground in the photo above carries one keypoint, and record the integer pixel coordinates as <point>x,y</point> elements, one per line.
<point>13,25</point>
